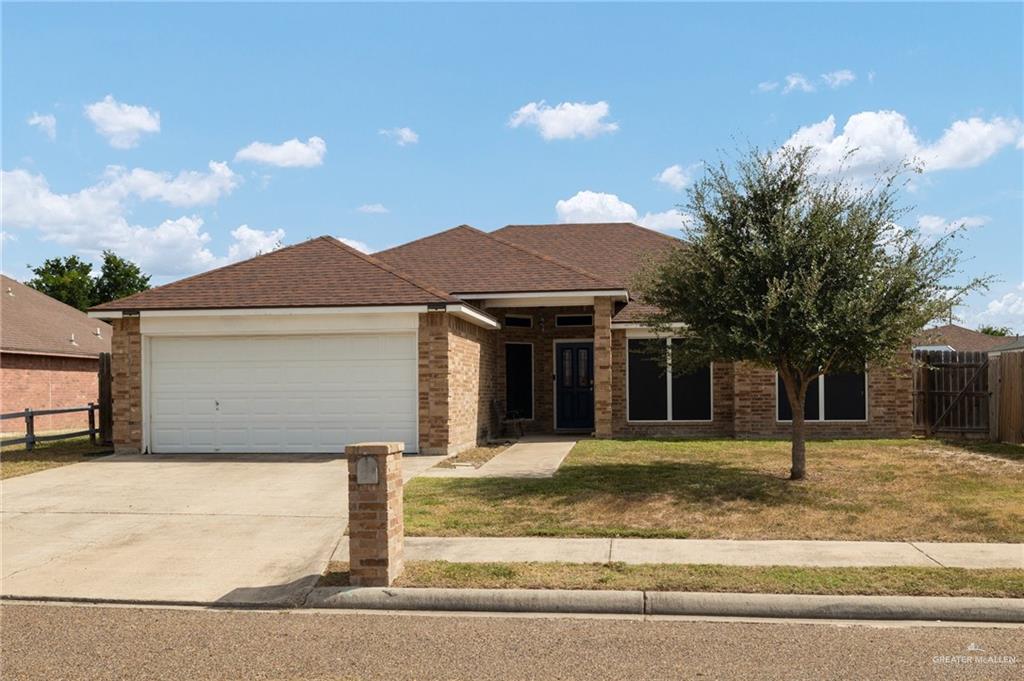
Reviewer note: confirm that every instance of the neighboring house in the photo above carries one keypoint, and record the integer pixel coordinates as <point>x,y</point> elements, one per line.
<point>1012,344</point>
<point>957,338</point>
<point>49,356</point>
<point>433,343</point>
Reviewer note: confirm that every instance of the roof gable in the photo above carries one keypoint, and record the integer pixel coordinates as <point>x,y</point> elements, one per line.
<point>321,272</point>
<point>466,260</point>
<point>33,322</point>
<point>613,251</point>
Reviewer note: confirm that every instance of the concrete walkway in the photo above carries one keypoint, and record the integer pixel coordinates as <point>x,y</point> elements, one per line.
<point>534,456</point>
<point>707,551</point>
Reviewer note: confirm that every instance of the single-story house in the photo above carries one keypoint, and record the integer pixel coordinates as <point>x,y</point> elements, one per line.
<point>49,357</point>
<point>957,338</point>
<point>435,343</point>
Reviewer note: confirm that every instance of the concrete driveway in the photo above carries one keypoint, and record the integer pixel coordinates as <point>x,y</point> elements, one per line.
<point>233,529</point>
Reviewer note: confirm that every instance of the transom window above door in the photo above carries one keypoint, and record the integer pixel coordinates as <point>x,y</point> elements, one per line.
<point>574,320</point>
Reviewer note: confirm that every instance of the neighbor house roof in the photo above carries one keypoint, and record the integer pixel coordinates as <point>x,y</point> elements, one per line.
<point>33,322</point>
<point>1012,345</point>
<point>321,272</point>
<point>959,338</point>
<point>465,260</point>
<point>613,251</point>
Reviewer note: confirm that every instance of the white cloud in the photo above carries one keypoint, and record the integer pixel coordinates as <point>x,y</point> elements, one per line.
<point>402,136</point>
<point>360,246</point>
<point>373,208</point>
<point>767,86</point>
<point>937,226</point>
<point>588,206</point>
<point>568,120</point>
<point>45,122</point>
<point>251,242</point>
<point>1006,310</point>
<point>675,177</point>
<point>188,188</point>
<point>797,81</point>
<point>122,124</point>
<point>292,153</point>
<point>838,79</point>
<point>883,139</point>
<point>96,218</point>
<point>666,221</point>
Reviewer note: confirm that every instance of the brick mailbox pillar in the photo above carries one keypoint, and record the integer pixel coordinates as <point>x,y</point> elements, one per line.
<point>375,526</point>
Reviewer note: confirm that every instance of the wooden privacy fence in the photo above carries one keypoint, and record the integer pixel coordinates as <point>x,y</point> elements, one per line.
<point>951,393</point>
<point>100,415</point>
<point>1006,373</point>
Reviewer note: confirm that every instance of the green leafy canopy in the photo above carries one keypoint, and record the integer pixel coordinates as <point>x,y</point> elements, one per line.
<point>70,280</point>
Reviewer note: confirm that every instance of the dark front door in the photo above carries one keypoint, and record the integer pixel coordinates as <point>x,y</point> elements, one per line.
<point>574,385</point>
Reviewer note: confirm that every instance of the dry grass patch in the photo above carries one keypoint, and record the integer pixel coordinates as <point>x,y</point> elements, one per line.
<point>16,460</point>
<point>475,457</point>
<point>884,490</point>
<point>886,581</point>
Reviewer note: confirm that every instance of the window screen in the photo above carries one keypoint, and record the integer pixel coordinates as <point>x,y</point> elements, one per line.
<point>691,394</point>
<point>526,322</point>
<point>845,397</point>
<point>810,401</point>
<point>519,380</point>
<point>648,397</point>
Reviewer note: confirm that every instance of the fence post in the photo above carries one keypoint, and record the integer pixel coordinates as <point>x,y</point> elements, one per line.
<point>92,423</point>
<point>106,401</point>
<point>30,430</point>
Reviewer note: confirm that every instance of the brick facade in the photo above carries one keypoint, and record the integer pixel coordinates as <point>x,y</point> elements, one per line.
<point>126,384</point>
<point>376,523</point>
<point>603,417</point>
<point>456,383</point>
<point>47,382</point>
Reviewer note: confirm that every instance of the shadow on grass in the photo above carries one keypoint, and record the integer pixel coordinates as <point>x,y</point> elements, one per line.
<point>684,482</point>
<point>1001,450</point>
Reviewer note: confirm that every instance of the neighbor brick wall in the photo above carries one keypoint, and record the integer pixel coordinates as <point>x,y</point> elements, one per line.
<point>126,384</point>
<point>721,424</point>
<point>456,383</point>
<point>542,335</point>
<point>890,405</point>
<point>47,382</point>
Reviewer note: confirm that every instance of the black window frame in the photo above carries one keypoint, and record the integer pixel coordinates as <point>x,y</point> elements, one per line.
<point>820,392</point>
<point>519,318</point>
<point>671,381</point>
<point>560,318</point>
<point>533,382</point>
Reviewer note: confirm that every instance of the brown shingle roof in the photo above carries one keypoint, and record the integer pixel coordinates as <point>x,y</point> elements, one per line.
<point>465,260</point>
<point>613,251</point>
<point>321,272</point>
<point>33,322</point>
<point>959,338</point>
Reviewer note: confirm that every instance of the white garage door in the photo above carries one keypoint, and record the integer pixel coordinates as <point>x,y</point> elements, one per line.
<point>281,393</point>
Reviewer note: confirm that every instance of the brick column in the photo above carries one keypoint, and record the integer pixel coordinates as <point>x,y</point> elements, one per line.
<point>126,384</point>
<point>375,525</point>
<point>603,367</point>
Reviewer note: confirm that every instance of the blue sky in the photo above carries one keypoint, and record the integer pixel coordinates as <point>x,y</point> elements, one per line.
<point>163,131</point>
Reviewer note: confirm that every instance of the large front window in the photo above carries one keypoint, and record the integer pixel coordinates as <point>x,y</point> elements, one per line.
<point>654,393</point>
<point>832,397</point>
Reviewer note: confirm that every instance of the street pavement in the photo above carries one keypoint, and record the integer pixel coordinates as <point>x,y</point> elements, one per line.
<point>60,641</point>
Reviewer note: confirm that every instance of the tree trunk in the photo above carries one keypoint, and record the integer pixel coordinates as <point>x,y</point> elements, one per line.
<point>796,391</point>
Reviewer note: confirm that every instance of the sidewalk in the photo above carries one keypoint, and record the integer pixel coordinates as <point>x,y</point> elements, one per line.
<point>534,456</point>
<point>707,551</point>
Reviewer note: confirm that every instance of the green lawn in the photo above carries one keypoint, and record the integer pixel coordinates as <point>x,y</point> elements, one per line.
<point>904,581</point>
<point>888,490</point>
<point>16,460</point>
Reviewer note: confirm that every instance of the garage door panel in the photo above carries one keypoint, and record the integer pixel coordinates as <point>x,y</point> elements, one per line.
<point>281,394</point>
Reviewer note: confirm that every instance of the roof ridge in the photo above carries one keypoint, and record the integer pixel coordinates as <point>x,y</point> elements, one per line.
<point>388,268</point>
<point>120,301</point>
<point>544,257</point>
<point>428,236</point>
<point>634,225</point>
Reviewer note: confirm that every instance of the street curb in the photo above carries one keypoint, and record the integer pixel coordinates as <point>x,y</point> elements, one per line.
<point>950,609</point>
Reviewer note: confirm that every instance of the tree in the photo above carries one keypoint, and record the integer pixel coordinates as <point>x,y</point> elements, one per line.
<point>118,278</point>
<point>995,330</point>
<point>799,272</point>
<point>70,280</point>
